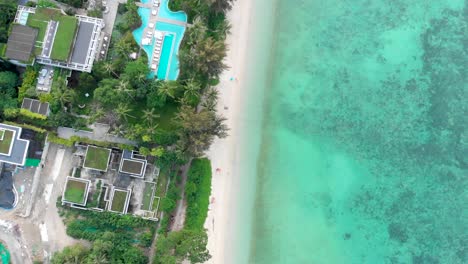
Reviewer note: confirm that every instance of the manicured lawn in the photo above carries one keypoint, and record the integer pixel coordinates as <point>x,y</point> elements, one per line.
<point>40,22</point>
<point>97,158</point>
<point>147,195</point>
<point>64,38</point>
<point>118,201</point>
<point>6,141</point>
<point>131,166</point>
<point>166,114</point>
<point>75,191</point>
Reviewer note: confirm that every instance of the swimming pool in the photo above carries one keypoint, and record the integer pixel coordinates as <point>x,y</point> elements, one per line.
<point>169,61</point>
<point>165,59</point>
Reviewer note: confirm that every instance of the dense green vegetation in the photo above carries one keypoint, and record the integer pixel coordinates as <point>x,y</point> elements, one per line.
<point>182,245</point>
<point>8,83</point>
<point>74,3</point>
<point>8,10</point>
<point>134,234</point>
<point>109,248</point>
<point>197,191</point>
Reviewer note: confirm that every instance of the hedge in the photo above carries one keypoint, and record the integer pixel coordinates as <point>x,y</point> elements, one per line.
<point>29,114</point>
<point>54,138</point>
<point>198,191</point>
<point>26,126</point>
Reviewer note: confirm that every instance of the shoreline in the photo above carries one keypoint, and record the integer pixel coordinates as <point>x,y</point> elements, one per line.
<point>224,152</point>
<point>234,159</point>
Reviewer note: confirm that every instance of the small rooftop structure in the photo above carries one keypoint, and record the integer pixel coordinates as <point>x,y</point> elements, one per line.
<point>35,106</point>
<point>76,191</point>
<point>97,158</point>
<point>132,164</point>
<point>21,43</point>
<point>13,149</point>
<point>120,199</point>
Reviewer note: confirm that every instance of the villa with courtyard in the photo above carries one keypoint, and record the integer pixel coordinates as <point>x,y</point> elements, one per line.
<point>114,180</point>
<point>48,36</point>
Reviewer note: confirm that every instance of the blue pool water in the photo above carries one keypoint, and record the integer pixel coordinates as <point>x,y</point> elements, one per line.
<point>169,65</point>
<point>165,57</point>
<point>178,33</point>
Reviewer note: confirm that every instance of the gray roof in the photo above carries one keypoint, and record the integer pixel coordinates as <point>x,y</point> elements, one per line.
<point>21,42</point>
<point>82,42</point>
<point>19,150</point>
<point>35,106</point>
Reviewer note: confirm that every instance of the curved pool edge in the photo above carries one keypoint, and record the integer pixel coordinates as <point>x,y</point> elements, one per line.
<point>164,12</point>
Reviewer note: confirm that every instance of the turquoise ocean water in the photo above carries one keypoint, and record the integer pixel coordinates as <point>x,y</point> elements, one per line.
<point>363,149</point>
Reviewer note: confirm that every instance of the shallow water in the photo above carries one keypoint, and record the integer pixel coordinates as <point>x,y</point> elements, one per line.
<point>364,144</point>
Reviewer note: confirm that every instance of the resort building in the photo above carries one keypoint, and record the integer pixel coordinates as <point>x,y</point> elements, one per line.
<point>50,37</point>
<point>13,149</point>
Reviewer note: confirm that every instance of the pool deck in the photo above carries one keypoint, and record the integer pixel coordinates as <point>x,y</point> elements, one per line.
<point>172,21</point>
<point>156,18</point>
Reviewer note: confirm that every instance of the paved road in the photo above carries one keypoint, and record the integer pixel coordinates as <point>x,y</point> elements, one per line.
<point>13,244</point>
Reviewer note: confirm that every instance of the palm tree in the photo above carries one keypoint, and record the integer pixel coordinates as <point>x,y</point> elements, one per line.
<point>123,48</point>
<point>220,6</point>
<point>118,130</point>
<point>151,129</point>
<point>197,31</point>
<point>192,91</point>
<point>123,86</point>
<point>168,89</point>
<point>212,93</point>
<point>209,105</point>
<point>209,56</point>
<point>98,113</point>
<point>224,28</point>
<point>109,68</point>
<point>123,111</point>
<point>141,78</point>
<point>149,115</point>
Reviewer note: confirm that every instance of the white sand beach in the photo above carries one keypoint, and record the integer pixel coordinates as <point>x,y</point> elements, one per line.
<point>224,153</point>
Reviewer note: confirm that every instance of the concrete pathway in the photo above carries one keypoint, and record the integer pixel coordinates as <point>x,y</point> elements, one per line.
<point>171,21</point>
<point>100,133</point>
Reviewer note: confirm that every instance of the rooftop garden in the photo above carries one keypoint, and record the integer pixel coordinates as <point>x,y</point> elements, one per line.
<point>118,201</point>
<point>132,166</point>
<point>37,21</point>
<point>75,191</point>
<point>64,38</point>
<point>67,26</point>
<point>97,158</point>
<point>6,137</point>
